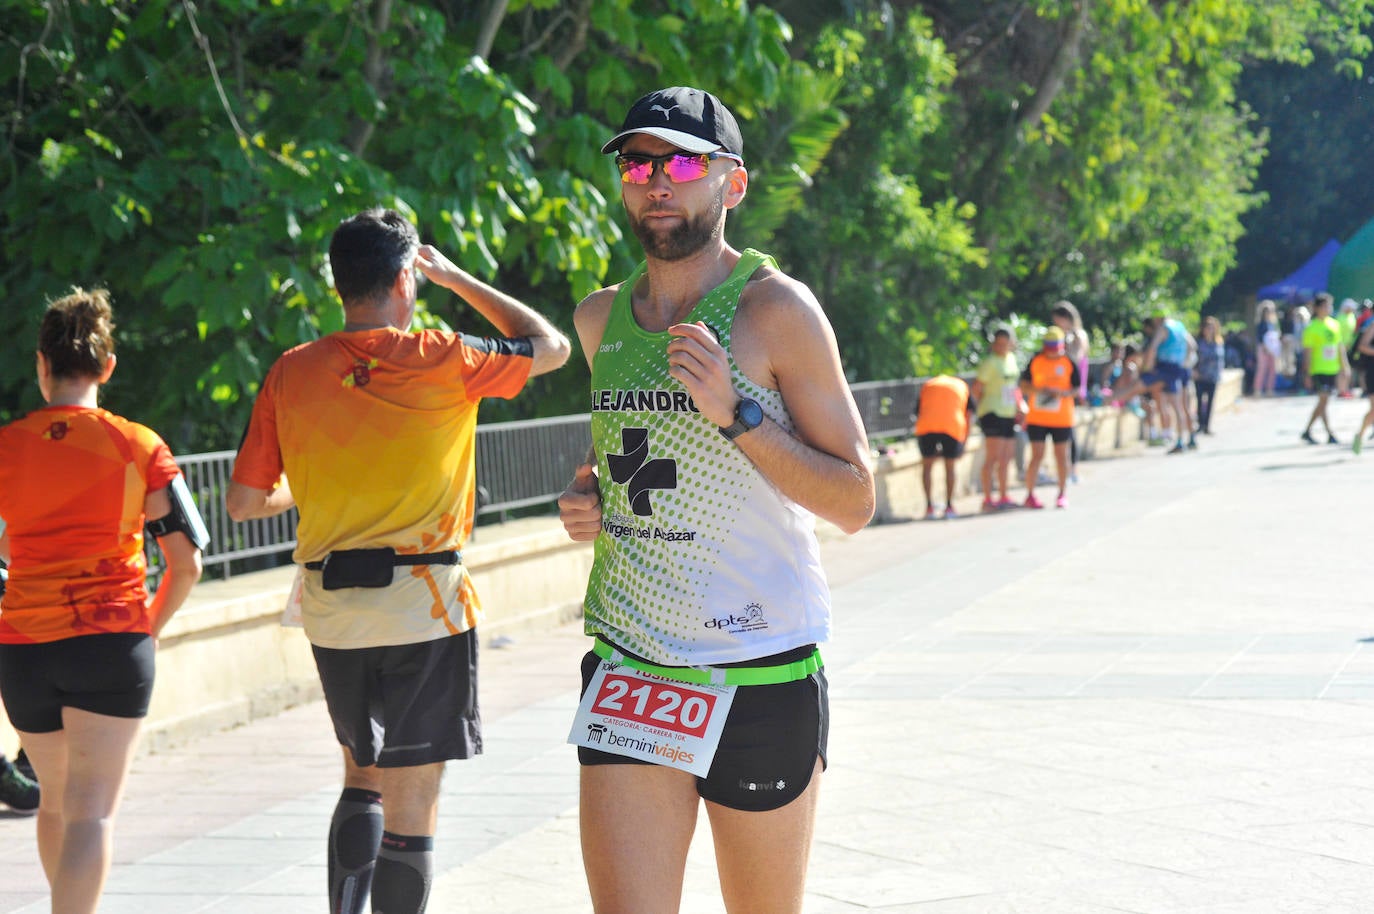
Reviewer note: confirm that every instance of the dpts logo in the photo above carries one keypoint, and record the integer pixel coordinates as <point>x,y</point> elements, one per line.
<point>633,468</point>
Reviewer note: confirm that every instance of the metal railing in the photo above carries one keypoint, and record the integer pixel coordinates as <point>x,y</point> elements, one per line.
<point>520,465</point>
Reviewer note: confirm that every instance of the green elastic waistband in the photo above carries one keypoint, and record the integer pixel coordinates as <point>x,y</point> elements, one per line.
<point>717,676</point>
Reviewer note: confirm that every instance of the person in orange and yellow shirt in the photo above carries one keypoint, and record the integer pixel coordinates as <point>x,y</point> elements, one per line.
<point>1049,384</point>
<point>77,626</point>
<point>374,427</point>
<point>941,430</point>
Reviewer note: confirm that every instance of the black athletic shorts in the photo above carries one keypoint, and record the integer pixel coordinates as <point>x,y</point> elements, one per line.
<point>995,426</point>
<point>938,444</point>
<point>1055,433</point>
<point>404,705</point>
<point>773,735</point>
<point>1324,383</point>
<point>110,674</point>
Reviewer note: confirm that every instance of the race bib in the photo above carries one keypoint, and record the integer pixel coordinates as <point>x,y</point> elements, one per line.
<point>642,716</point>
<point>1009,396</point>
<point>1329,354</point>
<point>1047,400</point>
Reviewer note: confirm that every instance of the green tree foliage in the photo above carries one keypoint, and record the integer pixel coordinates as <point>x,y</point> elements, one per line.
<point>195,160</point>
<point>928,167</point>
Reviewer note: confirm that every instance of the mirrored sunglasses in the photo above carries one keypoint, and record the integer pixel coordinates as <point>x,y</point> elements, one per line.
<point>680,167</point>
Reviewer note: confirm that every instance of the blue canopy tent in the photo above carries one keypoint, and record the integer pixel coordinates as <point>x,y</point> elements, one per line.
<point>1307,280</point>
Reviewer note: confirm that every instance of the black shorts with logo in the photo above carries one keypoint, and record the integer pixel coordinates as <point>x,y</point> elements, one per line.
<point>773,735</point>
<point>938,444</point>
<point>406,704</point>
<point>109,673</point>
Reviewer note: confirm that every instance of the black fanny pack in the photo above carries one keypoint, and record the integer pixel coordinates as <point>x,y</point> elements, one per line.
<point>372,567</point>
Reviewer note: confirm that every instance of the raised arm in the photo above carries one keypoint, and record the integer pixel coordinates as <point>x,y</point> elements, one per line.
<point>510,317</point>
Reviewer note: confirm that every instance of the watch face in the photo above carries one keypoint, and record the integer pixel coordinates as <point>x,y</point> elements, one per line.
<point>749,413</point>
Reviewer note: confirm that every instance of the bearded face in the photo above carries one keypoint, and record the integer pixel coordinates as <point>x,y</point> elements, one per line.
<point>680,238</point>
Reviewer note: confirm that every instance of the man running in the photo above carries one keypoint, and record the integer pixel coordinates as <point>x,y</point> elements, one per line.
<point>375,427</point>
<point>722,425</point>
<point>1326,362</point>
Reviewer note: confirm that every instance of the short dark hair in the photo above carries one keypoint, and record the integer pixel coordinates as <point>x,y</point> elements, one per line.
<point>76,335</point>
<point>367,251</point>
<point>1001,332</point>
<point>1324,298</point>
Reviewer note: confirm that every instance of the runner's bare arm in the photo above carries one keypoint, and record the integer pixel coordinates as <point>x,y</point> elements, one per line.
<point>783,333</point>
<point>247,503</point>
<point>510,317</point>
<point>579,507</point>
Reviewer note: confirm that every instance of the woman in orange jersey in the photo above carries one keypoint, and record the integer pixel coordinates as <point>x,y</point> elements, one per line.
<point>1050,383</point>
<point>77,485</point>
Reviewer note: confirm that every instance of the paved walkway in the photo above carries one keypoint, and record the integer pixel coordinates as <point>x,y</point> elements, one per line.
<point>1160,700</point>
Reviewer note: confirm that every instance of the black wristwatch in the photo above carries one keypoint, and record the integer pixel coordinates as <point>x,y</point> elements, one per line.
<point>748,415</point>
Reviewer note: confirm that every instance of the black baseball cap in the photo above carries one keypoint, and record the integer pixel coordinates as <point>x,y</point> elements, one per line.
<point>688,118</point>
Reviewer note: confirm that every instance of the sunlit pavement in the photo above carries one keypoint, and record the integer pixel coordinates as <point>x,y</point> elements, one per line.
<point>1158,700</point>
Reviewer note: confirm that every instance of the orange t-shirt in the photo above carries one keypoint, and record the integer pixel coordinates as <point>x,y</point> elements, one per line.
<point>1059,377</point>
<point>943,408</point>
<point>376,432</point>
<point>72,486</point>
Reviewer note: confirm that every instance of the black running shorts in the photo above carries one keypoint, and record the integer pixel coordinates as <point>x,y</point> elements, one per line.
<point>110,674</point>
<point>1055,433</point>
<point>994,426</point>
<point>772,737</point>
<point>404,705</point>
<point>938,444</point>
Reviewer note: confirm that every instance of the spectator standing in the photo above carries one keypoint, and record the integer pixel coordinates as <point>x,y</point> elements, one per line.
<point>1050,384</point>
<point>998,398</point>
<point>941,430</point>
<point>1065,316</point>
<point>1211,358</point>
<point>1268,351</point>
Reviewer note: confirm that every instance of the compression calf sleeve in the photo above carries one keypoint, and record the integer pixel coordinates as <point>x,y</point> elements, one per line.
<point>405,868</point>
<point>355,834</point>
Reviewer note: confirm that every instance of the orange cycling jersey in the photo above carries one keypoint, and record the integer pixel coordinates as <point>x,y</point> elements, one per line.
<point>375,430</point>
<point>73,481</point>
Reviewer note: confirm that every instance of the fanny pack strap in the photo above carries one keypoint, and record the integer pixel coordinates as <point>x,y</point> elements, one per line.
<point>711,675</point>
<point>448,557</point>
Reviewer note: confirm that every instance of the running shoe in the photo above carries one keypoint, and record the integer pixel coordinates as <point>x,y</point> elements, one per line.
<point>989,505</point>
<point>21,761</point>
<point>1005,503</point>
<point>1033,502</point>
<point>1177,449</point>
<point>950,513</point>
<point>16,791</point>
<point>1307,436</point>
<point>1331,439</point>
<point>1062,501</point>
<point>932,514</point>
<point>1357,445</point>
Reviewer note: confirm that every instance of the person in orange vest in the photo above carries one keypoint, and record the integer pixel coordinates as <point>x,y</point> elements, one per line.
<point>941,430</point>
<point>1049,383</point>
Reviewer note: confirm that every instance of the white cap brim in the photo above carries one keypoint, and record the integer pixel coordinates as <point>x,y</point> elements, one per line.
<point>679,139</point>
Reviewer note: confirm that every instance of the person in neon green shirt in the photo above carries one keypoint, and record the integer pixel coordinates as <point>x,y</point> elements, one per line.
<point>1326,362</point>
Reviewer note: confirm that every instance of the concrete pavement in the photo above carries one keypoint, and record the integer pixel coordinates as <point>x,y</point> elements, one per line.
<point>1159,700</point>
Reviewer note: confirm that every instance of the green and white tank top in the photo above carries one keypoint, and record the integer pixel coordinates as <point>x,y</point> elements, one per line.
<point>700,560</point>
